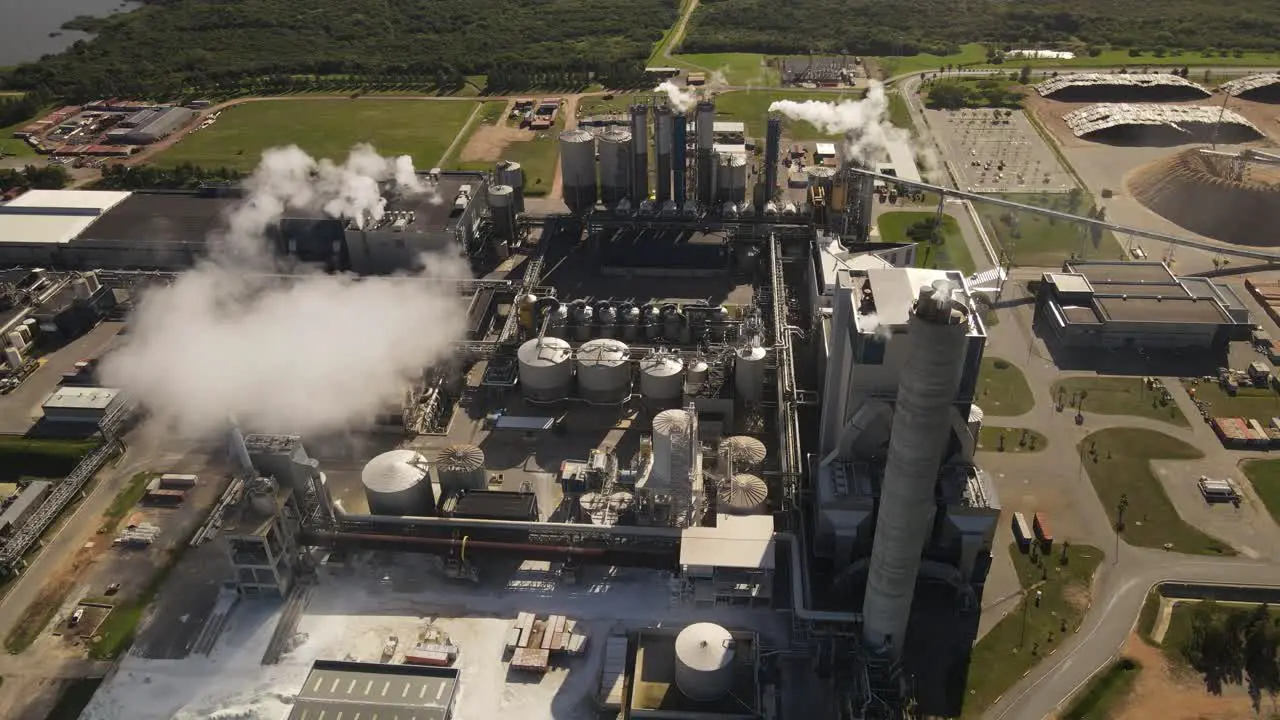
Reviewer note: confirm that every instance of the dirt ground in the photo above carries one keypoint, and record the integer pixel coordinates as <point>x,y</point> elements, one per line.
<point>1173,694</point>
<point>488,142</point>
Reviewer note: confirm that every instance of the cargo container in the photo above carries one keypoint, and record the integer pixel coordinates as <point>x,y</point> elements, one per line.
<point>174,481</point>
<point>432,658</point>
<point>1021,531</point>
<point>168,498</point>
<point>1040,523</point>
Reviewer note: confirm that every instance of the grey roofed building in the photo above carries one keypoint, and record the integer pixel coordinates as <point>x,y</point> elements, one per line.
<point>340,689</point>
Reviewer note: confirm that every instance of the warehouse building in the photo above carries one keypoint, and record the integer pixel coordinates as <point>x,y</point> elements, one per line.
<point>148,126</point>
<point>1111,304</point>
<point>82,404</point>
<point>23,505</point>
<point>336,689</point>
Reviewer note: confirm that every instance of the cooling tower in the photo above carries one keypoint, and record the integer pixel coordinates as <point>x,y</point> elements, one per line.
<point>937,341</point>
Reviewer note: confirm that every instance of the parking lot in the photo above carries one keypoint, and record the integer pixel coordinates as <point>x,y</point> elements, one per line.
<point>998,151</point>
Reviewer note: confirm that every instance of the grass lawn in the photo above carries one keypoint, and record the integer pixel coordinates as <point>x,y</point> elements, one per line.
<point>491,113</point>
<point>1001,657</point>
<point>1105,691</point>
<point>23,457</point>
<point>538,157</point>
<point>1149,614</point>
<point>1036,241</point>
<point>1002,389</point>
<point>739,69</point>
<point>1118,396</point>
<point>899,115</point>
<point>618,105</point>
<point>970,54</point>
<point>1016,440</point>
<point>75,697</point>
<point>752,108</point>
<point>125,501</point>
<point>1118,461</point>
<point>972,85</point>
<point>952,253</point>
<point>1264,475</point>
<point>1257,403</point>
<point>423,129</point>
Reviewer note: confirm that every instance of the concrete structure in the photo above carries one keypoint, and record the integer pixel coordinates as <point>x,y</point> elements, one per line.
<point>82,404</point>
<point>1192,121</point>
<point>704,661</point>
<point>397,483</point>
<point>663,137</point>
<point>260,534</point>
<point>355,690</point>
<point>578,169</point>
<point>772,156</point>
<point>1106,304</point>
<point>546,369</point>
<point>639,153</point>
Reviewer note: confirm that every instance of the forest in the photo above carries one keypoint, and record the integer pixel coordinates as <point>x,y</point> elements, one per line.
<point>907,27</point>
<point>178,47</point>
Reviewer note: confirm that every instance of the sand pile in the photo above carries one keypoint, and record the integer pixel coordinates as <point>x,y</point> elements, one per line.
<point>1196,191</point>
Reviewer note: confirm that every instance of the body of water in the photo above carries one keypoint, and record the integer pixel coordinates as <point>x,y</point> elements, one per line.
<point>24,34</point>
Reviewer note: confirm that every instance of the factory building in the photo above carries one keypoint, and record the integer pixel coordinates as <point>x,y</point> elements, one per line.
<point>21,507</point>
<point>1104,304</point>
<point>148,126</point>
<point>89,405</point>
<point>260,534</point>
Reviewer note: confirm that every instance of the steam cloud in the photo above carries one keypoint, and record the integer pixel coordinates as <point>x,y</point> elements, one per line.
<point>310,353</point>
<point>682,99</point>
<point>863,123</point>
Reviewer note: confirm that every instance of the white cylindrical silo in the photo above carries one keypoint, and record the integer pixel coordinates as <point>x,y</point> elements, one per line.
<point>745,494</point>
<point>604,371</point>
<point>510,173</point>
<point>615,165</point>
<point>748,373</point>
<point>661,377</point>
<point>704,662</point>
<point>461,467</point>
<point>937,345</point>
<point>13,356</point>
<point>743,453</point>
<point>578,169</point>
<point>975,421</point>
<point>737,176</point>
<point>546,369</point>
<point>398,482</point>
<point>673,443</point>
<point>502,207</point>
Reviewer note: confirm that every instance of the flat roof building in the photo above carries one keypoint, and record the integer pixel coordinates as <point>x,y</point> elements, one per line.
<point>81,404</point>
<point>1136,304</point>
<point>336,689</point>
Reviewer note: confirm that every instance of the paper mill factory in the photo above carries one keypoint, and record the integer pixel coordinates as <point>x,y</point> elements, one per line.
<point>687,372</point>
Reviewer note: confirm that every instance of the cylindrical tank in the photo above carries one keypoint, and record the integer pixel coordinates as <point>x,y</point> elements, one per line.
<point>672,323</point>
<point>615,165</point>
<point>578,169</point>
<point>13,356</point>
<point>525,310</point>
<point>821,176</point>
<point>745,494</point>
<point>607,319</point>
<point>559,321</point>
<point>662,132</point>
<point>604,371</point>
<point>975,421</point>
<point>631,323</point>
<point>398,482</point>
<point>704,662</point>
<point>723,179</point>
<point>673,446</point>
<point>661,377</point>
<point>546,369</point>
<point>652,322</point>
<point>461,467</point>
<point>585,317</point>
<point>737,178</point>
<point>698,372</point>
<point>748,373</point>
<point>262,495</point>
<point>502,206</point>
<point>510,173</point>
<point>937,345</point>
<point>80,287</point>
<point>640,152</point>
<point>705,126</point>
<point>745,453</point>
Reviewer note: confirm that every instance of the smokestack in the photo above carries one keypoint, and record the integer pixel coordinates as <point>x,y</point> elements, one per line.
<point>772,149</point>
<point>662,134</point>
<point>679,159</point>
<point>937,342</point>
<point>640,153</point>
<point>239,452</point>
<point>706,138</point>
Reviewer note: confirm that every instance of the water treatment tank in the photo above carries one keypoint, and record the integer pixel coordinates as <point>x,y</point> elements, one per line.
<point>578,169</point>
<point>748,373</point>
<point>398,482</point>
<point>461,467</point>
<point>660,377</point>
<point>745,495</point>
<point>704,662</point>
<point>672,446</point>
<point>604,371</point>
<point>615,165</point>
<point>546,369</point>
<point>743,452</point>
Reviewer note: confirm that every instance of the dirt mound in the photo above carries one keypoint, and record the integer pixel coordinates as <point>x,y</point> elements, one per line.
<point>1198,192</point>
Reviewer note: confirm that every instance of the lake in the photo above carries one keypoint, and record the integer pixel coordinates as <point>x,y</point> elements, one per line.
<point>24,34</point>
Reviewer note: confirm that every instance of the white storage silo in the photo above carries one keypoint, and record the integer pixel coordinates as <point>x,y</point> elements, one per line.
<point>546,369</point>
<point>604,371</point>
<point>578,169</point>
<point>660,377</point>
<point>704,662</point>
<point>975,421</point>
<point>748,373</point>
<point>502,207</point>
<point>13,356</point>
<point>398,482</point>
<point>510,173</point>
<point>615,165</point>
<point>736,176</point>
<point>745,494</point>
<point>461,467</point>
<point>672,445</point>
<point>743,453</point>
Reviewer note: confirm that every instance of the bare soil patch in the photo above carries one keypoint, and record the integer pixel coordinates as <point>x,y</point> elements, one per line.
<point>1171,693</point>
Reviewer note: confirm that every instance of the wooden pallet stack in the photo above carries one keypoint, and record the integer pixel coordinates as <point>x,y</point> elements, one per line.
<point>532,641</point>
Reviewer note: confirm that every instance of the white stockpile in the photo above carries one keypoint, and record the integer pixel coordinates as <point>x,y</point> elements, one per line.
<point>1102,116</point>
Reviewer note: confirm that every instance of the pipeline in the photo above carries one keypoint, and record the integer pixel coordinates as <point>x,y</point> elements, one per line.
<point>631,557</point>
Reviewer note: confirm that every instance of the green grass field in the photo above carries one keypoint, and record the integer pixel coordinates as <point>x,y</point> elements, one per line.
<point>951,254</point>
<point>970,54</point>
<point>422,129</point>
<point>22,457</point>
<point>616,105</point>
<point>1016,440</point>
<point>125,501</point>
<point>899,115</point>
<point>1013,646</point>
<point>1034,240</point>
<point>752,108</point>
<point>1118,396</point>
<point>1118,461</point>
<point>1264,475</point>
<point>1002,389</point>
<point>975,55</point>
<point>738,69</point>
<point>1105,692</point>
<point>1257,403</point>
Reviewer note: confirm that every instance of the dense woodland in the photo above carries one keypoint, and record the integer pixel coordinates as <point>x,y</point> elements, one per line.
<point>181,177</point>
<point>175,47</point>
<point>906,27</point>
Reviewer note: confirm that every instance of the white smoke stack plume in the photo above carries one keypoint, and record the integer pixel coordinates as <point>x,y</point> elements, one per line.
<point>307,354</point>
<point>682,99</point>
<point>863,123</point>
<point>870,322</point>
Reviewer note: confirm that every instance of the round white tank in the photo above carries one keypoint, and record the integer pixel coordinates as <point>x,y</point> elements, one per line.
<point>604,371</point>
<point>745,495</point>
<point>748,373</point>
<point>500,196</point>
<point>704,662</point>
<point>660,377</point>
<point>698,372</point>
<point>461,467</point>
<point>672,440</point>
<point>578,169</point>
<point>546,369</point>
<point>745,453</point>
<point>398,482</point>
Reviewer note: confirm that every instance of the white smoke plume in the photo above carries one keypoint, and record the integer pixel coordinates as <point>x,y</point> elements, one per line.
<point>863,123</point>
<point>870,323</point>
<point>308,353</point>
<point>681,99</point>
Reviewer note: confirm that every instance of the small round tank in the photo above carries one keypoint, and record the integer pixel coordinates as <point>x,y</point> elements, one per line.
<point>975,421</point>
<point>748,373</point>
<point>607,318</point>
<point>585,316</point>
<point>652,322</point>
<point>461,467</point>
<point>704,662</point>
<point>559,322</point>
<point>525,307</point>
<point>630,323</point>
<point>397,483</point>
<point>745,495</point>
<point>698,372</point>
<point>743,452</point>
<point>660,377</point>
<point>546,370</point>
<point>672,323</point>
<point>604,371</point>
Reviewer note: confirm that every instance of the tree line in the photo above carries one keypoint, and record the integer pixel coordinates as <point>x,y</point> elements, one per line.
<point>185,176</point>
<point>1234,646</point>
<point>49,177</point>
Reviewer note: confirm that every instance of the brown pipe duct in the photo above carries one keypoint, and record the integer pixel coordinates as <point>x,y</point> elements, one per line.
<point>457,544</point>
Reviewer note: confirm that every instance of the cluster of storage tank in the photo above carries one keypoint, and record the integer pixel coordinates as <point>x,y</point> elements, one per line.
<point>647,323</point>
<point>398,482</point>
